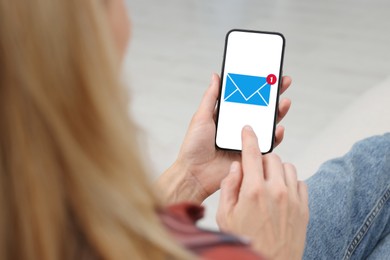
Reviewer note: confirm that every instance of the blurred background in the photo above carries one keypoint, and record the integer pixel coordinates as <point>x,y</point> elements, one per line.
<point>337,53</point>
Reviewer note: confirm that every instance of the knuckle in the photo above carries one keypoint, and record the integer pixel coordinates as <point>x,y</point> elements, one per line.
<point>253,193</point>
<point>295,203</point>
<point>291,168</point>
<point>281,195</point>
<point>273,157</point>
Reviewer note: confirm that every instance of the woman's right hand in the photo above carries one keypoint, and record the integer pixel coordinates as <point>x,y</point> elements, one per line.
<point>261,199</point>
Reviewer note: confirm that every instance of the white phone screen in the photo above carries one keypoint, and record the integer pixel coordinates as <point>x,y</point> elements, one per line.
<point>250,82</point>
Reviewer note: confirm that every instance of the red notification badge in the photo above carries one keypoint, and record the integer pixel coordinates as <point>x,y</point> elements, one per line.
<point>271,79</point>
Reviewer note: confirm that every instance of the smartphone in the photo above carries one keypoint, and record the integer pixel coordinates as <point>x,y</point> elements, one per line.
<point>249,91</point>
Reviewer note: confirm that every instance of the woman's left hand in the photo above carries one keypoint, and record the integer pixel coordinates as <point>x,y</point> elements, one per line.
<point>200,167</point>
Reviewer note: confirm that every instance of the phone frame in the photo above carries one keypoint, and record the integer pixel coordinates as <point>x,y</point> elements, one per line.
<point>278,89</point>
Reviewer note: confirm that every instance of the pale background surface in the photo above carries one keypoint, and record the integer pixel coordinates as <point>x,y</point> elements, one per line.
<point>337,53</point>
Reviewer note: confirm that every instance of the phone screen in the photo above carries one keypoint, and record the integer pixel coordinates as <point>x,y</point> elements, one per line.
<point>250,80</point>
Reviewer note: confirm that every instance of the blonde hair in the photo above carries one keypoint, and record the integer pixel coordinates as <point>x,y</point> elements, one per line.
<point>71,182</point>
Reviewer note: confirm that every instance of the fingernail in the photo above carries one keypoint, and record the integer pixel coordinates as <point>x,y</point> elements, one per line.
<point>212,77</point>
<point>248,128</point>
<point>234,167</point>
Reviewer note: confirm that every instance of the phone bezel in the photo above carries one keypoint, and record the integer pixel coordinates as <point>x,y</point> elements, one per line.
<point>278,89</point>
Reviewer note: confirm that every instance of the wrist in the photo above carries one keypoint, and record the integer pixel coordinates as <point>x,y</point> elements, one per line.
<point>177,184</point>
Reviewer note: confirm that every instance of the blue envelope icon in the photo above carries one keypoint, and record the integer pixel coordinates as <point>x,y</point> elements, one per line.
<point>244,89</point>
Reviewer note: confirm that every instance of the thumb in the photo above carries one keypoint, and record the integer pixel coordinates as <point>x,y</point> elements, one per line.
<point>230,188</point>
<point>209,100</point>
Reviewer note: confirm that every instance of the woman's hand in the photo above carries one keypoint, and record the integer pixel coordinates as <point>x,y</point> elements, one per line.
<point>262,200</point>
<point>200,167</point>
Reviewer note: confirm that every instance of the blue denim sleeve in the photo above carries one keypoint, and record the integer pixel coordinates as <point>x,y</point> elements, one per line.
<point>349,201</point>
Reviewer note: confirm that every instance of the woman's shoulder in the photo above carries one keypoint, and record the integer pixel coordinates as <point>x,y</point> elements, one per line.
<point>180,220</point>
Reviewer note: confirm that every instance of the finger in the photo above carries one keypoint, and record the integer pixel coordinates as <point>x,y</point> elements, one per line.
<point>286,83</point>
<point>273,169</point>
<point>230,187</point>
<point>303,192</point>
<point>284,107</point>
<point>291,178</point>
<point>252,164</point>
<point>209,100</point>
<point>279,135</point>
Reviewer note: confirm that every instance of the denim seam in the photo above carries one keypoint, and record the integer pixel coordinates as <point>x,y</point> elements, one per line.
<point>367,224</point>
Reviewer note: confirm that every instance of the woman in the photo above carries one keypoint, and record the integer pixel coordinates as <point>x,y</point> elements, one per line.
<point>72,185</point>
<point>71,182</point>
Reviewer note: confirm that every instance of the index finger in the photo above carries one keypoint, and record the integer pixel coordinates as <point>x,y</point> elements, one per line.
<point>286,83</point>
<point>252,163</point>
<point>210,97</point>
